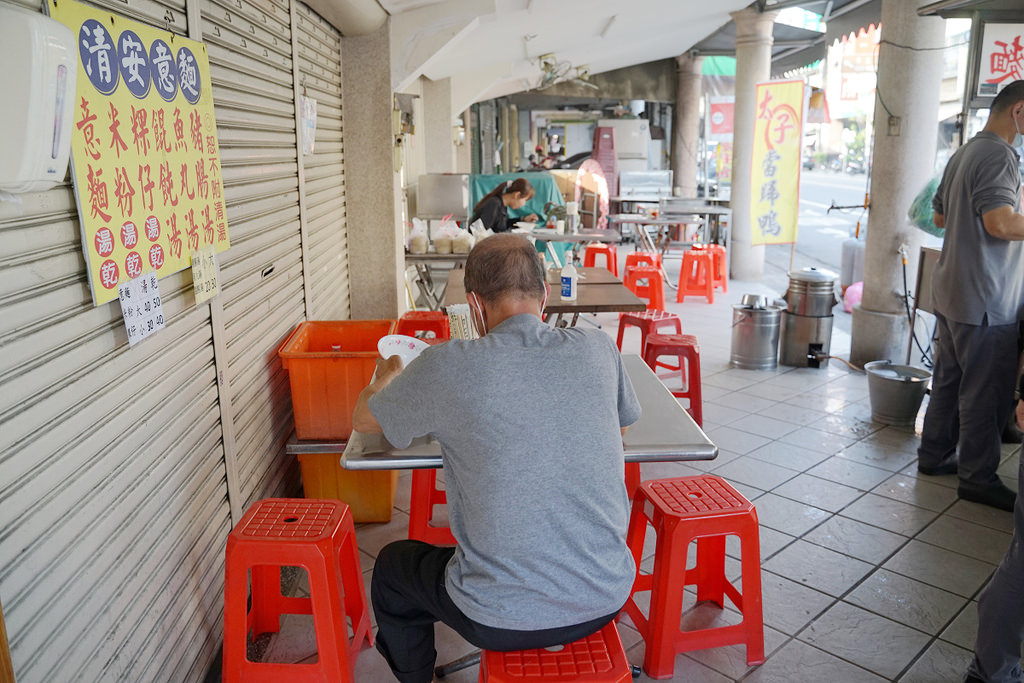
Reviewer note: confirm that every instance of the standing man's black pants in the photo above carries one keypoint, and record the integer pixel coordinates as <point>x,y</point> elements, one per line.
<point>408,596</point>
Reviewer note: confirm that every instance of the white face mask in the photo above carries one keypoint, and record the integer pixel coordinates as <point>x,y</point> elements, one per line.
<point>1018,139</point>
<point>478,319</point>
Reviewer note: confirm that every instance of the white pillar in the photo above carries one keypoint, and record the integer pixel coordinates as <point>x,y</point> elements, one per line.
<point>753,66</point>
<point>373,194</point>
<point>438,123</point>
<point>909,80</point>
<point>686,125</point>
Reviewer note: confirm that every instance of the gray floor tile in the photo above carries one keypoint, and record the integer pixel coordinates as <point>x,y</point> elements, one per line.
<point>822,493</point>
<point>940,662</point>
<point>735,440</point>
<point>744,401</point>
<point>788,455</point>
<point>788,516</point>
<point>907,601</point>
<point>850,473</point>
<point>751,493</point>
<point>732,659</point>
<point>764,426</point>
<point>754,472</point>
<point>973,540</point>
<point>916,492</point>
<point>1000,520</point>
<point>939,567</point>
<point>868,640</point>
<point>819,568</point>
<point>878,454</point>
<point>724,456</point>
<point>788,605</point>
<point>715,413</point>
<point>372,537</point>
<point>798,415</point>
<point>798,662</point>
<point>772,392</point>
<point>964,629</point>
<point>847,426</point>
<point>901,437</point>
<point>727,380</point>
<point>889,514</point>
<point>856,539</point>
<point>817,402</point>
<point>771,541</point>
<point>815,439</point>
<point>686,669</point>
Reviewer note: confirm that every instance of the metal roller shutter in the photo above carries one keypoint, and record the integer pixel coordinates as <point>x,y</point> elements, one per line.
<point>326,240</point>
<point>250,49</point>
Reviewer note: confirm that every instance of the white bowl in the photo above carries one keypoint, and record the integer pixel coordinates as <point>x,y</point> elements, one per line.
<point>403,346</point>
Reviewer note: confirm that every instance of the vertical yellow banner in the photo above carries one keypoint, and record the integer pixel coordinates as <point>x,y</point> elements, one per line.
<point>144,154</point>
<point>775,168</point>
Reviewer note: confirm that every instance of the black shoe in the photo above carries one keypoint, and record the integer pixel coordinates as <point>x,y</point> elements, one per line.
<point>947,466</point>
<point>995,495</point>
<point>973,679</point>
<point>1011,434</point>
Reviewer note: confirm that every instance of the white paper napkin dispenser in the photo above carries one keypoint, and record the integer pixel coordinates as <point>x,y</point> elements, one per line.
<point>38,84</point>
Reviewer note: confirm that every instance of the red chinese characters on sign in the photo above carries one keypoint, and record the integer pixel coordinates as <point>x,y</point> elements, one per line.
<point>124,191</point>
<point>104,242</point>
<point>174,237</point>
<point>196,129</point>
<point>207,225</point>
<point>193,230</point>
<point>85,124</point>
<point>781,121</point>
<point>167,185</point>
<point>1007,62</point>
<point>152,228</point>
<point>160,143</point>
<point>129,235</point>
<point>140,131</point>
<point>109,274</point>
<point>146,186</point>
<point>133,265</point>
<point>98,201</point>
<point>117,142</point>
<point>156,256</point>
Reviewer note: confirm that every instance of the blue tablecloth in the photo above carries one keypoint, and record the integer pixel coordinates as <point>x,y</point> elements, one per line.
<point>544,187</point>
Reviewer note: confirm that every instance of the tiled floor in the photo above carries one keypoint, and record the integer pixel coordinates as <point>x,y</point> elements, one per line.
<point>870,571</point>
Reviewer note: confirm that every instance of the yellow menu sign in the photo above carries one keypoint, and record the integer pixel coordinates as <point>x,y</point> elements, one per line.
<point>775,167</point>
<point>144,155</point>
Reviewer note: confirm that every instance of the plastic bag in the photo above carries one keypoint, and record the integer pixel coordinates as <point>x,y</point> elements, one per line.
<point>417,241</point>
<point>445,236</point>
<point>920,213</point>
<point>854,293</point>
<point>478,230</point>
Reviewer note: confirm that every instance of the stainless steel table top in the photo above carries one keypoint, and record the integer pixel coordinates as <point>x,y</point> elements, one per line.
<point>664,432</point>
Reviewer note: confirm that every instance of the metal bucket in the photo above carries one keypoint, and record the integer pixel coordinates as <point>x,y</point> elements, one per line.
<point>896,392</point>
<point>811,292</point>
<point>755,337</point>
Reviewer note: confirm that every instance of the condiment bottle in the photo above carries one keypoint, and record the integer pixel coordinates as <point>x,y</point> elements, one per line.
<point>570,279</point>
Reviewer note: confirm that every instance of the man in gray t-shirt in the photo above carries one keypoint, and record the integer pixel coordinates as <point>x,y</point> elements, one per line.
<point>978,292</point>
<point>530,422</point>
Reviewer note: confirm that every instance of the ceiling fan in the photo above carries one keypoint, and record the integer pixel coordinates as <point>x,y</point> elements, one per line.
<point>553,70</point>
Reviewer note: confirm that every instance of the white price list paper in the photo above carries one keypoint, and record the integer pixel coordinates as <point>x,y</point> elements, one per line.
<point>205,281</point>
<point>141,307</point>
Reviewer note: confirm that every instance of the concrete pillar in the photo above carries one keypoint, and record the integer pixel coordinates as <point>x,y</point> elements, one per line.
<point>686,125</point>
<point>373,190</point>
<point>438,122</point>
<point>909,80</point>
<point>753,65</point>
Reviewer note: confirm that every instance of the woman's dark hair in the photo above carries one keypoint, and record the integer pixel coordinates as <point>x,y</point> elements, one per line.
<point>520,185</point>
<point>504,265</point>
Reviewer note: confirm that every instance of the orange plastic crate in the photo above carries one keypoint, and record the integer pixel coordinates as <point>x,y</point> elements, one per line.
<point>329,363</point>
<point>370,494</point>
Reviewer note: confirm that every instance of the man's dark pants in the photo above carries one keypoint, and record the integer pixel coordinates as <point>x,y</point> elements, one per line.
<point>408,596</point>
<point>972,387</point>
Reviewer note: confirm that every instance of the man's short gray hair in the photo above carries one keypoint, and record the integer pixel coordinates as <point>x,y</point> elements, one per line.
<point>505,265</point>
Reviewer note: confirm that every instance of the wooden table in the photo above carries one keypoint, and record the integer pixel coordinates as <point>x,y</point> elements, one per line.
<point>665,432</point>
<point>602,295</point>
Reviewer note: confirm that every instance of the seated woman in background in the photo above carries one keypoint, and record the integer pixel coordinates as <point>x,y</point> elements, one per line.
<point>492,210</point>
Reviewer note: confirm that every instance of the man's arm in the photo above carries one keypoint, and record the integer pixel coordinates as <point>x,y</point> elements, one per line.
<point>939,220</point>
<point>362,418</point>
<point>1003,223</point>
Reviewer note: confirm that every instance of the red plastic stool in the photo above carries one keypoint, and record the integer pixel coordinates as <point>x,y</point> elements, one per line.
<point>611,258</point>
<point>686,348</point>
<point>695,275</point>
<point>647,258</point>
<point>317,535</point>
<point>719,276</point>
<point>425,495</point>
<point>598,658</point>
<point>653,291</point>
<point>424,321</point>
<point>705,509</point>
<point>648,322</point>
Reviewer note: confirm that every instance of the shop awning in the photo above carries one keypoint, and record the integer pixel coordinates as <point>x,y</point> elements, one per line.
<point>965,9</point>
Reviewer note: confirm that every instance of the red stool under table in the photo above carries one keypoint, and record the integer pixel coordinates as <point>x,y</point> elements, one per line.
<point>653,291</point>
<point>611,257</point>
<point>696,275</point>
<point>705,509</point>
<point>425,495</point>
<point>686,348</point>
<point>598,658</point>
<point>647,258</point>
<point>424,321</point>
<point>317,535</point>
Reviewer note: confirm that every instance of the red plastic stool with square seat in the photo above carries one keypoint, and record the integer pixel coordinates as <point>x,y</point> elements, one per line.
<point>705,509</point>
<point>646,258</point>
<point>653,291</point>
<point>424,321</point>
<point>611,257</point>
<point>686,348</point>
<point>425,495</point>
<point>719,276</point>
<point>695,275</point>
<point>598,658</point>
<point>317,535</point>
